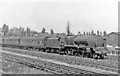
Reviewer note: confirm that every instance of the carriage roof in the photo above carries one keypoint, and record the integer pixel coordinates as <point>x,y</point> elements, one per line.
<point>33,37</point>
<point>12,37</point>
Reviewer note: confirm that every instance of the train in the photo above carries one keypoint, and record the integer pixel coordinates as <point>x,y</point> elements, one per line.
<point>91,46</point>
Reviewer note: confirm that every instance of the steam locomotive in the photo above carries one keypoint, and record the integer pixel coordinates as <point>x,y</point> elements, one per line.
<point>91,46</point>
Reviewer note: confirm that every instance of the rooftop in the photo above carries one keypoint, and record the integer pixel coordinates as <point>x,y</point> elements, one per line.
<point>117,33</point>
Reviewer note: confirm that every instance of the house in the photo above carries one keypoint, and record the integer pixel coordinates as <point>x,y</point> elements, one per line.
<point>113,39</point>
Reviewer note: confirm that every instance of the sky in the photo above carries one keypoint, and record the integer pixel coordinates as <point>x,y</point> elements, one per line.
<point>83,15</point>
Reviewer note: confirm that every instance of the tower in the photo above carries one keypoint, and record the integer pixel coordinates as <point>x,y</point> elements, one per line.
<point>68,28</point>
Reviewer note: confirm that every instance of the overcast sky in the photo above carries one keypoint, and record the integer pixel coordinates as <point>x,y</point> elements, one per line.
<point>84,15</point>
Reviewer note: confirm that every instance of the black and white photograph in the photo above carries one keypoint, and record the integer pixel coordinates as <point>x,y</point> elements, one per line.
<point>59,37</point>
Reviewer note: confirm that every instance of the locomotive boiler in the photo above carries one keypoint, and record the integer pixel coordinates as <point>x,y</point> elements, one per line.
<point>94,46</point>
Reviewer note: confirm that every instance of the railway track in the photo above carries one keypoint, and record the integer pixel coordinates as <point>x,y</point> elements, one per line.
<point>90,70</point>
<point>46,66</point>
<point>114,59</point>
<point>27,63</point>
<point>100,64</point>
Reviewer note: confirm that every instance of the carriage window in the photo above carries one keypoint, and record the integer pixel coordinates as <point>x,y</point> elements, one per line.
<point>40,42</point>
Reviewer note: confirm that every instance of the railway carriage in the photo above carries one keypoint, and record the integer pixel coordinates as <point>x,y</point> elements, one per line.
<point>32,43</point>
<point>11,41</point>
<point>1,40</point>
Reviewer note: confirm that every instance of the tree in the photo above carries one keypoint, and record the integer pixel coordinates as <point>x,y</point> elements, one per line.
<point>21,29</point>
<point>87,33</point>
<point>83,33</point>
<point>43,31</point>
<point>92,32</point>
<point>98,32</point>
<point>51,31</point>
<point>14,32</point>
<point>104,33</point>
<point>28,31</point>
<point>79,33</point>
<point>5,29</point>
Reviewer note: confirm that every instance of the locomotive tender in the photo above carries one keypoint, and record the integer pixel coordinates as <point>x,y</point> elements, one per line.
<point>92,46</point>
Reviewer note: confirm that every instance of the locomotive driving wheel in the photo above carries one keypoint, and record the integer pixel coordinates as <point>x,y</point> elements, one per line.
<point>88,55</point>
<point>48,50</point>
<point>76,54</point>
<point>102,56</point>
<point>69,52</point>
<point>95,56</point>
<point>83,53</point>
<point>72,52</point>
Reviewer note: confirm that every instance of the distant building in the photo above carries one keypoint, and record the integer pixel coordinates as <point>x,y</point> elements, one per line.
<point>117,33</point>
<point>113,39</point>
